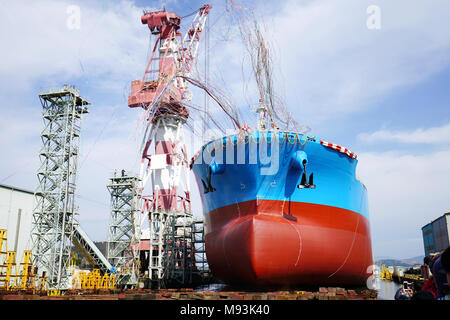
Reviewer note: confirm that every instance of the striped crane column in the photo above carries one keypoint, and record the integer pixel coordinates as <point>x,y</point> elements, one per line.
<point>169,202</point>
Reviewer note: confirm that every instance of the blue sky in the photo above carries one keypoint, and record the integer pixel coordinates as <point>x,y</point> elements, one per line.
<point>382,93</point>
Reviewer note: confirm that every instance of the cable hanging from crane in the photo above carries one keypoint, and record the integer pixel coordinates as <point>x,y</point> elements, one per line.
<point>270,107</point>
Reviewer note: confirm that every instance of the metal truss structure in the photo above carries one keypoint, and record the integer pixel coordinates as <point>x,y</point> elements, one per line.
<point>124,225</point>
<point>54,219</point>
<point>198,236</point>
<point>179,256</point>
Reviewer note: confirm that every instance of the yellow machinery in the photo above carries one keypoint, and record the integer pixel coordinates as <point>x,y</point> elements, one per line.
<point>388,274</point>
<point>385,273</point>
<point>13,277</point>
<point>77,280</point>
<point>93,280</point>
<point>42,284</point>
<point>81,281</point>
<point>415,277</point>
<point>23,277</point>
<point>6,271</point>
<point>54,292</point>
<point>3,243</point>
<point>108,282</point>
<point>84,280</point>
<point>105,282</point>
<point>112,282</point>
<point>25,273</point>
<point>73,259</point>
<point>3,258</point>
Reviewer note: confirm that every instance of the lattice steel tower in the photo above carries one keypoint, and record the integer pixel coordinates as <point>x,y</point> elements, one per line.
<point>54,215</point>
<point>124,225</point>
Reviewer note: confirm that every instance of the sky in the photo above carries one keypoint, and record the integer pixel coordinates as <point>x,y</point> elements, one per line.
<point>372,75</point>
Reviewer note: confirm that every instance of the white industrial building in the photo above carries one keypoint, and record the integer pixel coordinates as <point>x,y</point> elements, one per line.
<point>16,210</point>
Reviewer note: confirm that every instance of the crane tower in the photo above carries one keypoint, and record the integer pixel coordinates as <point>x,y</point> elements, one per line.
<point>161,93</point>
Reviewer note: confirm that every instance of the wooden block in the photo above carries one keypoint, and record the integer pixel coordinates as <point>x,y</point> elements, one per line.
<point>13,297</point>
<point>352,293</point>
<point>341,291</point>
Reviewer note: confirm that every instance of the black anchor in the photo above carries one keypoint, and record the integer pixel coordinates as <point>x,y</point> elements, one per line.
<point>207,187</point>
<point>303,184</point>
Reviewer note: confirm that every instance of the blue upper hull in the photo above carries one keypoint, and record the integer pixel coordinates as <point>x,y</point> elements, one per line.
<point>272,169</point>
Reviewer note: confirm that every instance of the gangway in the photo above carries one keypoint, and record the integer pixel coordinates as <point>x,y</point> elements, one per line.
<point>89,250</point>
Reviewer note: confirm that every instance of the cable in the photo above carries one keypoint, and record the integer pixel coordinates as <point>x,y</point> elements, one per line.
<point>190,14</point>
<point>98,138</point>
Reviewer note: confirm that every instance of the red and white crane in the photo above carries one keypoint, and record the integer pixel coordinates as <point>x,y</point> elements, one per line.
<point>161,93</point>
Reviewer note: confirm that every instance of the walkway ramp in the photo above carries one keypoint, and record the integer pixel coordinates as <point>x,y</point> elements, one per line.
<point>89,250</point>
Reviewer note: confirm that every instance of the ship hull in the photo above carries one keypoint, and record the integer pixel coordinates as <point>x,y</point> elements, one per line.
<point>254,243</point>
<point>262,229</point>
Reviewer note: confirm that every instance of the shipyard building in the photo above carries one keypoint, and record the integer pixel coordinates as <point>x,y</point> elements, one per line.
<point>16,211</point>
<point>436,234</point>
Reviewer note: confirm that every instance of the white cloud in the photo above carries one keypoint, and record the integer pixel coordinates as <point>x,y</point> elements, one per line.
<point>435,135</point>
<point>38,44</point>
<point>405,193</point>
<point>334,64</point>
<point>20,143</point>
<point>326,61</point>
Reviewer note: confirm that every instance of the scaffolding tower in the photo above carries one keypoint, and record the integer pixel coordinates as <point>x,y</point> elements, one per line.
<point>201,263</point>
<point>124,227</point>
<point>178,257</point>
<point>54,218</point>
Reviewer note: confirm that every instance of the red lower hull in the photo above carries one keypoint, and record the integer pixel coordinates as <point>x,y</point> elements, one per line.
<point>253,242</point>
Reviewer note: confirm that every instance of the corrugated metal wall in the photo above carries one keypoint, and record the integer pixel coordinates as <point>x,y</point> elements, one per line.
<point>436,235</point>
<point>440,232</point>
<point>14,203</point>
